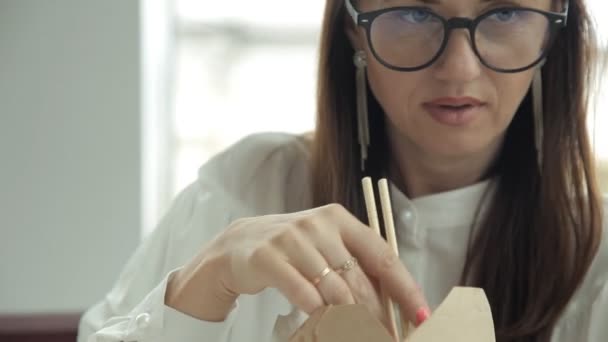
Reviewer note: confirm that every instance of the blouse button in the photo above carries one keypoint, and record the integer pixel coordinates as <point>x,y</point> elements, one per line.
<point>408,215</point>
<point>142,320</point>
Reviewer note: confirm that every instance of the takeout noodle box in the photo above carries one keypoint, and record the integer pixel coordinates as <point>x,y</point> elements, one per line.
<point>351,323</point>
<point>464,316</point>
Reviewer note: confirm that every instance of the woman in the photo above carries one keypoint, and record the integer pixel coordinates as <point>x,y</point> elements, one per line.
<point>492,184</point>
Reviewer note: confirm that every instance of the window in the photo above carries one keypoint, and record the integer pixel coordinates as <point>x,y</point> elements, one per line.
<point>599,113</point>
<point>243,66</point>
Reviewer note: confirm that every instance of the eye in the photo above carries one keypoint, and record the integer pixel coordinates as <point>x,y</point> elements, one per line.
<point>505,15</point>
<point>415,16</point>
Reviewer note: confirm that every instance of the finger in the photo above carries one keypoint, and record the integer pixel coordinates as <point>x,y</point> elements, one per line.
<point>307,258</point>
<point>361,287</point>
<point>279,274</point>
<point>378,260</point>
<point>357,279</point>
<point>358,283</point>
<point>335,290</point>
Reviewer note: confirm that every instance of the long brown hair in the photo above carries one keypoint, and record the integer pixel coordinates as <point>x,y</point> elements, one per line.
<point>540,231</point>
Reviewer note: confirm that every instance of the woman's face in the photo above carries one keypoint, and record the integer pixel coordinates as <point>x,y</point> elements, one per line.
<point>424,107</point>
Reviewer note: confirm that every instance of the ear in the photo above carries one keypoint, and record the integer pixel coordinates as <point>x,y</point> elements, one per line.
<point>354,34</point>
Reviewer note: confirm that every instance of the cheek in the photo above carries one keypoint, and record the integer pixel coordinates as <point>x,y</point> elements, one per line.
<point>510,92</point>
<point>395,91</point>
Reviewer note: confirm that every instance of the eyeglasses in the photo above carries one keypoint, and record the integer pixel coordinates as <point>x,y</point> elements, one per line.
<point>505,39</point>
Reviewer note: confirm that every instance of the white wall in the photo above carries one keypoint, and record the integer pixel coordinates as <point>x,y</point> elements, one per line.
<point>69,150</point>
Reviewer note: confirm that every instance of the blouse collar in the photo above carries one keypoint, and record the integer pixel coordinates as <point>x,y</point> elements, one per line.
<point>442,210</point>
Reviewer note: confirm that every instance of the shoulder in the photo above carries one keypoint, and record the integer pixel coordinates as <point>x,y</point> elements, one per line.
<point>599,267</point>
<point>587,311</point>
<point>601,259</point>
<point>258,150</point>
<point>596,280</point>
<point>250,178</point>
<point>263,164</point>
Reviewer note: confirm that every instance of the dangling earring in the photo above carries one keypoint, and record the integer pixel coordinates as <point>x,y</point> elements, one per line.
<point>537,107</point>
<point>360,60</point>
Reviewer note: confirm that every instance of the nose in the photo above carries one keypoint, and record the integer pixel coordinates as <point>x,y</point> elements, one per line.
<point>458,62</point>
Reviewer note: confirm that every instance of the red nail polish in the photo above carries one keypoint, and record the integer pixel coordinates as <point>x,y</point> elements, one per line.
<point>422,315</point>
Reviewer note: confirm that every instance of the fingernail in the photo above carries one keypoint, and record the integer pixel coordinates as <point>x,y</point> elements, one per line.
<point>422,315</point>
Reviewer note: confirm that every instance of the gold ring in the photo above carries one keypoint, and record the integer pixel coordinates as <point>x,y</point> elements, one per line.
<point>323,274</point>
<point>347,266</point>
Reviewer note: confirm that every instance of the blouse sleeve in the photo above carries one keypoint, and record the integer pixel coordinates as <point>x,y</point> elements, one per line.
<point>229,186</point>
<point>134,310</point>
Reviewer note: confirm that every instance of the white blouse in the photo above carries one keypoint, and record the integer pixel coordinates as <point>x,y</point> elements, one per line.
<point>268,174</point>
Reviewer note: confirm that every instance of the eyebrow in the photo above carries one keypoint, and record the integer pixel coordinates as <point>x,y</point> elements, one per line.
<point>438,2</point>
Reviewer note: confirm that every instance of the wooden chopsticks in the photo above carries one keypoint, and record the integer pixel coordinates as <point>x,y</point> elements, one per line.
<point>389,225</point>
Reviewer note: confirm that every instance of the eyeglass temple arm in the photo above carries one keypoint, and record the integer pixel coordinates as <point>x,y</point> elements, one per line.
<point>352,11</point>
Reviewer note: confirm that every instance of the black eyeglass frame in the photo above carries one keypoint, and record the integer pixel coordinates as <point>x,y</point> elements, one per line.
<point>557,21</point>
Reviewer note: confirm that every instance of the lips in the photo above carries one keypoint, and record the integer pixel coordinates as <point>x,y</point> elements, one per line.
<point>455,102</point>
<point>454,111</point>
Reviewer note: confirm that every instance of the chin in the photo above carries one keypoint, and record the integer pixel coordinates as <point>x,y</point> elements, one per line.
<point>454,148</point>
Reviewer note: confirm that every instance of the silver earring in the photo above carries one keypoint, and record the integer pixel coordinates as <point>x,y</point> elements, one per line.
<point>537,107</point>
<point>360,60</point>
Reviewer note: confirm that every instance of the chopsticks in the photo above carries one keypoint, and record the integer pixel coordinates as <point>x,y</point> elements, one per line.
<point>391,237</point>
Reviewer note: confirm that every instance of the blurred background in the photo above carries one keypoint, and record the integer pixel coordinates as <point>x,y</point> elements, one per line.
<point>108,108</point>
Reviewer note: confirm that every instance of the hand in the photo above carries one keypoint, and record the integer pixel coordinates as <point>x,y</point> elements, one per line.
<point>290,252</point>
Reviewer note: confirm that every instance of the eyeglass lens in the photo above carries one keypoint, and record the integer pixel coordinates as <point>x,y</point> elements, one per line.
<point>507,39</point>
